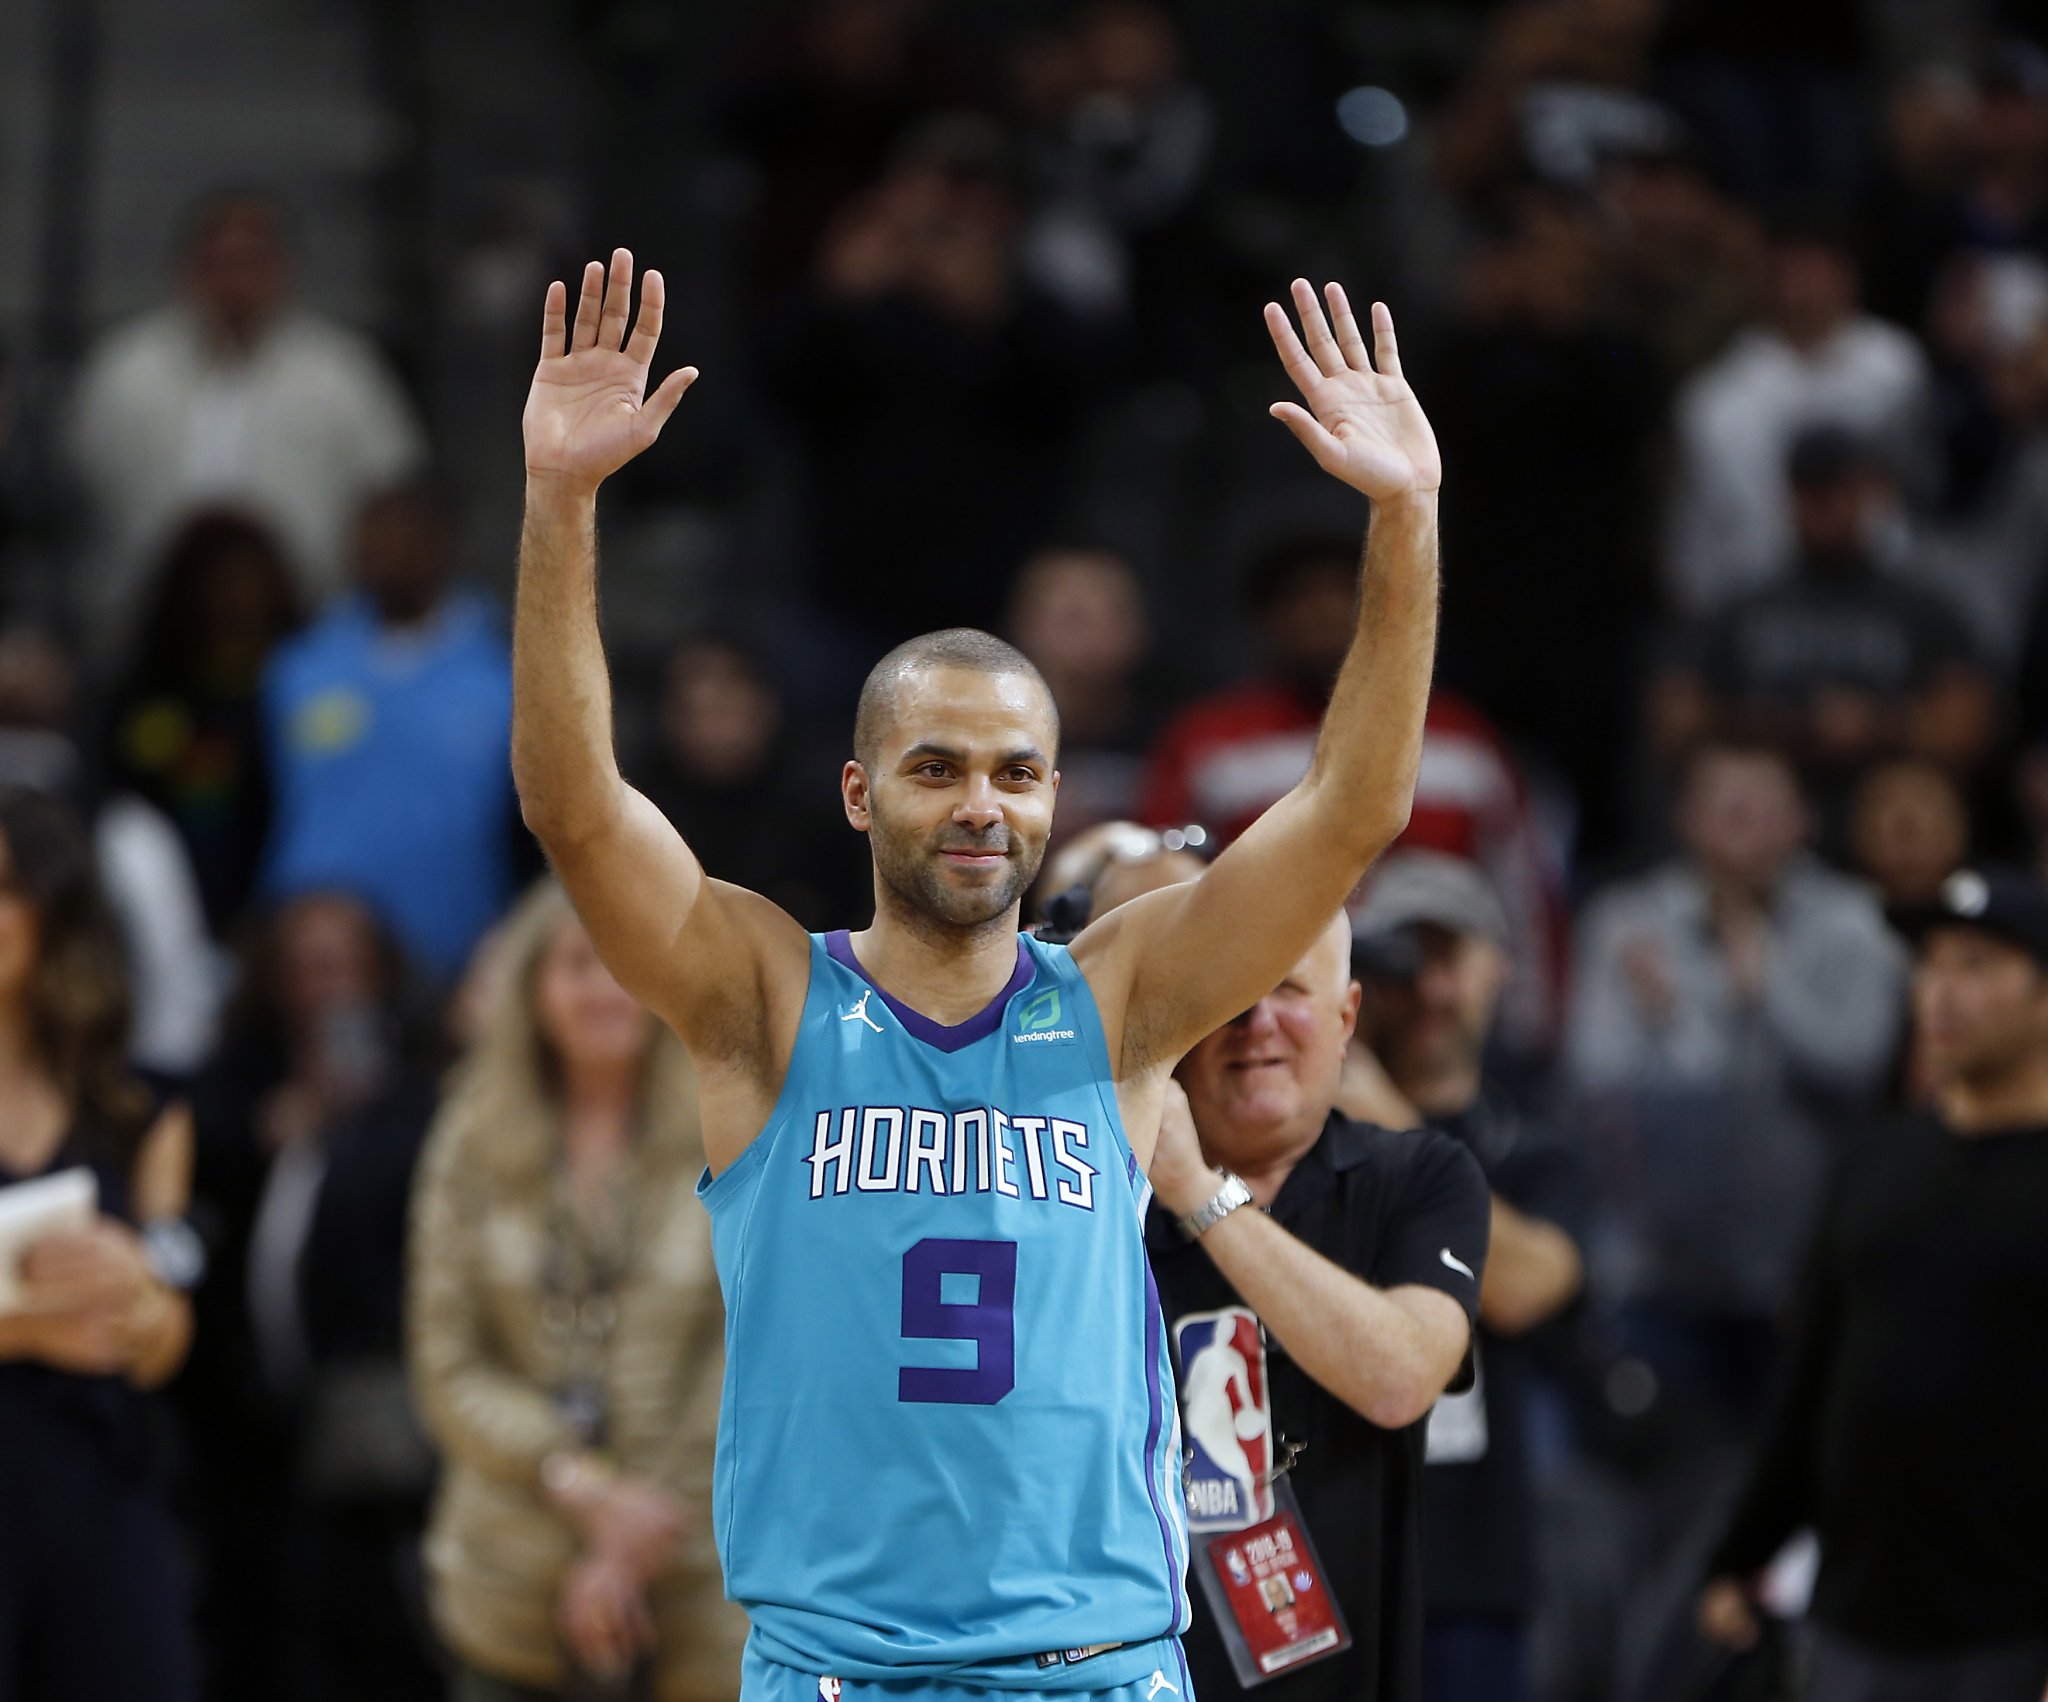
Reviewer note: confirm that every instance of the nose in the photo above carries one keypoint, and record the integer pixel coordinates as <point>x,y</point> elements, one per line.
<point>979,807</point>
<point>1256,1022</point>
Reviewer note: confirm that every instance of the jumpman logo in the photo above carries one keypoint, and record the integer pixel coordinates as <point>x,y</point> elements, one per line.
<point>1160,1682</point>
<point>859,1013</point>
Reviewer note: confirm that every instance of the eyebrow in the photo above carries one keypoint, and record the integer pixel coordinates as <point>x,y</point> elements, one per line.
<point>925,749</point>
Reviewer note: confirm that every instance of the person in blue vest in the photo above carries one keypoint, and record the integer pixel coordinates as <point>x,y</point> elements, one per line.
<point>386,723</point>
<point>948,1455</point>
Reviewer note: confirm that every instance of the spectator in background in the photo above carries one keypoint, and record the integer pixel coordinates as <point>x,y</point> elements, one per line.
<point>835,89</point>
<point>1556,88</point>
<point>1224,759</point>
<point>1436,942</point>
<point>1843,664</point>
<point>1687,260</point>
<point>307,1120</point>
<point>1909,829</point>
<point>1815,358</point>
<point>1908,1429</point>
<point>1552,583</point>
<point>232,395</point>
<point>92,1601</point>
<point>1360,1292</point>
<point>388,723</point>
<point>923,360</point>
<point>1985,540</point>
<point>1732,1010</point>
<point>1968,162</point>
<point>1117,148</point>
<point>567,1343</point>
<point>1079,614</point>
<point>186,716</point>
<point>174,976</point>
<point>761,809</point>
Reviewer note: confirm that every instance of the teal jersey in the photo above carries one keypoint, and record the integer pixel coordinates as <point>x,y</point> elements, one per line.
<point>949,1445</point>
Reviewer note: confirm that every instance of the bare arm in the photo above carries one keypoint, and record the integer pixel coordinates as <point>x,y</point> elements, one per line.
<point>709,957</point>
<point>1385,1353</point>
<point>1533,1272</point>
<point>1171,967</point>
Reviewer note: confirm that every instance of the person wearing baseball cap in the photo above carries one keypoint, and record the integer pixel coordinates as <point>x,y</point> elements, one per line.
<point>1430,946</point>
<point>1909,1428</point>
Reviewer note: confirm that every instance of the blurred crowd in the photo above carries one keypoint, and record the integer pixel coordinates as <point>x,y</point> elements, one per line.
<point>1732,320</point>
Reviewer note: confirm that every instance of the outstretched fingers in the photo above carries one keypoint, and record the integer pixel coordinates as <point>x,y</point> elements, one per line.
<point>1315,330</point>
<point>618,302</point>
<point>647,326</point>
<point>554,321</point>
<point>1386,352</point>
<point>1304,371</point>
<point>1315,437</point>
<point>1346,323</point>
<point>662,403</point>
<point>588,306</point>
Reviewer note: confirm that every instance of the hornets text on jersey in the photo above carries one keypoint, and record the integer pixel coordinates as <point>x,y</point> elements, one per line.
<point>949,1445</point>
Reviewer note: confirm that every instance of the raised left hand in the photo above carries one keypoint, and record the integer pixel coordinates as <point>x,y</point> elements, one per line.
<point>1362,423</point>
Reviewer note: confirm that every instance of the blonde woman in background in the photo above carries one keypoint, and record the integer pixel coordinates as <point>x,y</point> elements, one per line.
<point>566,1339</point>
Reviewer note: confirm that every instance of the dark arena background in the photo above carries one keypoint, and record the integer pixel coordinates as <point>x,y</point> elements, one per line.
<point>1731,321</point>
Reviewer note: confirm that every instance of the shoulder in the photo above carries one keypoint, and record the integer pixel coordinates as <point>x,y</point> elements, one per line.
<point>1396,1165</point>
<point>315,340</point>
<point>1639,901</point>
<point>1839,905</point>
<point>149,341</point>
<point>337,632</point>
<point>1878,341</point>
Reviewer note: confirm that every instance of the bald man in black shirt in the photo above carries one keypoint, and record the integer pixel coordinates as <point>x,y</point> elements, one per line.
<point>1347,1304</point>
<point>1912,1432</point>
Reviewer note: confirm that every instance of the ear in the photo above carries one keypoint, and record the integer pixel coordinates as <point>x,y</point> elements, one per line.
<point>854,794</point>
<point>1347,1013</point>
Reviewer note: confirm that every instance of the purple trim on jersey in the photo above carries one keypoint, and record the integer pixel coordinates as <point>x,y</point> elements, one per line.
<point>916,1024</point>
<point>1155,1425</point>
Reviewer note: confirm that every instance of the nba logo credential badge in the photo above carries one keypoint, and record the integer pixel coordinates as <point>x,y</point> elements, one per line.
<point>1227,1416</point>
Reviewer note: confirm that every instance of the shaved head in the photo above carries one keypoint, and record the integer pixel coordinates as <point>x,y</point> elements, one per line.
<point>963,647</point>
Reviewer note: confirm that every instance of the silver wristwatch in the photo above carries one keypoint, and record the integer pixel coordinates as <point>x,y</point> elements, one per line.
<point>1221,1204</point>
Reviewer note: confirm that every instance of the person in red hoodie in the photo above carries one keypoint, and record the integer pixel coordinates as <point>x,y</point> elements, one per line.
<point>1224,758</point>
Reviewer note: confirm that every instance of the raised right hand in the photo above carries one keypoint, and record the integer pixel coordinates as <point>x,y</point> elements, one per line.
<point>588,412</point>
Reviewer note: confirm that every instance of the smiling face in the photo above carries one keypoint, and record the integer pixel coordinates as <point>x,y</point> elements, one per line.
<point>956,795</point>
<point>1261,1085</point>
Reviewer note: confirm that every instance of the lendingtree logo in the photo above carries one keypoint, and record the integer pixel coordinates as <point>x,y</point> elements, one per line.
<point>1039,1019</point>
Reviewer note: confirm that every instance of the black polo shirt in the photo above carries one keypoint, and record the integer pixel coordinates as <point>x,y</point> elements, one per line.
<point>1394,1210</point>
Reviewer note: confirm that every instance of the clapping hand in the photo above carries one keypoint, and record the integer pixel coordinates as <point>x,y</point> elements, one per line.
<point>588,412</point>
<point>1362,423</point>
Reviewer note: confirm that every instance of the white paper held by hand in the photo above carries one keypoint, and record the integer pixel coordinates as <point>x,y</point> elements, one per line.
<point>50,1205</point>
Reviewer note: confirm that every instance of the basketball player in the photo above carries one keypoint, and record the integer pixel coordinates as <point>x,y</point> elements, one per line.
<point>947,1450</point>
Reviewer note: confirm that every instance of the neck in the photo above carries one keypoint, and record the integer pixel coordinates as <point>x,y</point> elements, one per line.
<point>2016,1099</point>
<point>948,973</point>
<point>1446,1091</point>
<point>233,338</point>
<point>600,1093</point>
